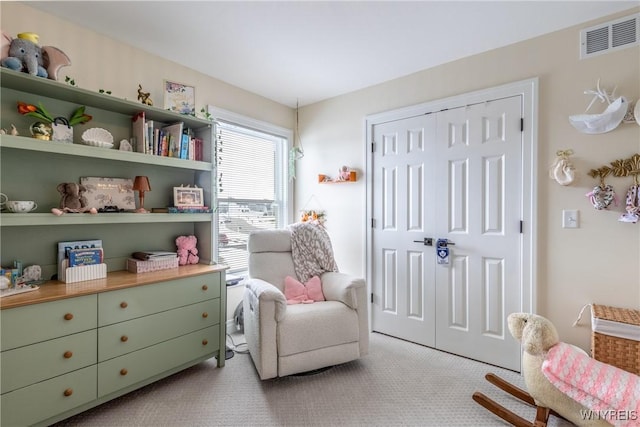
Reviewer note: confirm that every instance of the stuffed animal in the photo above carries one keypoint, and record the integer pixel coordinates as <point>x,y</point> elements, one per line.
<point>24,54</point>
<point>187,251</point>
<point>537,336</point>
<point>72,199</point>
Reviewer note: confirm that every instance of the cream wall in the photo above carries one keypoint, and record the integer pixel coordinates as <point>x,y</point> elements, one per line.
<point>598,262</point>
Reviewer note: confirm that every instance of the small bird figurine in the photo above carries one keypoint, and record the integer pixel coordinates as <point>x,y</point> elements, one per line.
<point>13,131</point>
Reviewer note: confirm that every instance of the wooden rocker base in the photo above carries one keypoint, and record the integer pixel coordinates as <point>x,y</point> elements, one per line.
<point>542,413</point>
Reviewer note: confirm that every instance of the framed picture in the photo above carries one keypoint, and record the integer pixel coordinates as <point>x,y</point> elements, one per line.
<point>179,97</point>
<point>187,196</point>
<point>114,193</point>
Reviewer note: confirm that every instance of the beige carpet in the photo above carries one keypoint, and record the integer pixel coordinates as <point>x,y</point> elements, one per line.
<point>397,384</point>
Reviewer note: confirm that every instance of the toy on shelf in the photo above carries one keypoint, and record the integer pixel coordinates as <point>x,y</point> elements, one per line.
<point>187,251</point>
<point>345,174</point>
<point>73,199</point>
<point>25,54</point>
<point>144,97</point>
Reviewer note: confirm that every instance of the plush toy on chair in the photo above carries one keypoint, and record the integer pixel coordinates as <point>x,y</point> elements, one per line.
<point>187,251</point>
<point>552,386</point>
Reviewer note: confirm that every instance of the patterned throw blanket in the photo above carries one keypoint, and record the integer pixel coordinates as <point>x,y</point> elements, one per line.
<point>311,250</point>
<point>611,392</point>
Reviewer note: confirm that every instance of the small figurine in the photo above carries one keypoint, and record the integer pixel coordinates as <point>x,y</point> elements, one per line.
<point>13,131</point>
<point>144,97</point>
<point>343,174</point>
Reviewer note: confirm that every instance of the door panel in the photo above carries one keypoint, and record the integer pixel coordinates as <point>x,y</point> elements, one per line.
<point>403,269</point>
<point>479,152</point>
<point>455,174</point>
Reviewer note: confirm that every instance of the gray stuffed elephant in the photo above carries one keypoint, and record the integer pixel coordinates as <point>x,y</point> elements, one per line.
<point>24,54</point>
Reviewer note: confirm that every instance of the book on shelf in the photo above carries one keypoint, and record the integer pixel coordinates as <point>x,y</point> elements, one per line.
<point>184,146</point>
<point>154,255</point>
<point>174,135</point>
<point>64,249</point>
<point>149,133</point>
<point>198,149</point>
<point>91,256</point>
<point>138,130</point>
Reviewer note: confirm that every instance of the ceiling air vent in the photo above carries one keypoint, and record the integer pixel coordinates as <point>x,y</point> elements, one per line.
<point>610,36</point>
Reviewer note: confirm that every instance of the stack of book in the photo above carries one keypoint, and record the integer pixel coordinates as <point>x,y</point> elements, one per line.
<point>146,261</point>
<point>173,140</point>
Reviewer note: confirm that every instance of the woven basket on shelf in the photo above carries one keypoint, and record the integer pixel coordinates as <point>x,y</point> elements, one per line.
<point>620,352</point>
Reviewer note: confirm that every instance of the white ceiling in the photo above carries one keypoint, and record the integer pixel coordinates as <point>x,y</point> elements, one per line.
<point>307,51</point>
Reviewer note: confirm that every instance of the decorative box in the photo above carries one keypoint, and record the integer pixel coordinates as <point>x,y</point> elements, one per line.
<point>140,266</point>
<point>615,337</point>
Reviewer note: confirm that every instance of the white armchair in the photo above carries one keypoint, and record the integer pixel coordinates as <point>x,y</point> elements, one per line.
<point>288,339</point>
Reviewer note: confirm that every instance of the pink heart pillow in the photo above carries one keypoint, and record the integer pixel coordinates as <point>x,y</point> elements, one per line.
<point>297,293</point>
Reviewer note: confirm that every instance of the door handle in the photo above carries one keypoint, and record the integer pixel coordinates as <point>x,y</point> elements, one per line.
<point>443,243</point>
<point>427,241</point>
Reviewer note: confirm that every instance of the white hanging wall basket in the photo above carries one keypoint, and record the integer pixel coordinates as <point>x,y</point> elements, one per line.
<point>603,122</point>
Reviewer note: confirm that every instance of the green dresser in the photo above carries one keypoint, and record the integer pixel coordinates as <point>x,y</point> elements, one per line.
<point>62,356</point>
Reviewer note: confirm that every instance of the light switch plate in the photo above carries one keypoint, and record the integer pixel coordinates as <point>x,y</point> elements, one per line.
<point>570,218</point>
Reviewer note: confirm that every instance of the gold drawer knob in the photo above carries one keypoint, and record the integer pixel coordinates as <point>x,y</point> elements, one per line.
<point>205,342</point>
<point>123,304</point>
<point>205,315</point>
<point>205,287</point>
<point>68,354</point>
<point>123,372</point>
<point>68,392</point>
<point>68,316</point>
<point>124,338</point>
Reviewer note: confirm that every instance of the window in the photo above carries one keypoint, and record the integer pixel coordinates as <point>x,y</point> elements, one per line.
<point>253,190</point>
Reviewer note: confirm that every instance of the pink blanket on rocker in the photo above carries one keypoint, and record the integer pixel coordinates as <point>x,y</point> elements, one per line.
<point>609,391</point>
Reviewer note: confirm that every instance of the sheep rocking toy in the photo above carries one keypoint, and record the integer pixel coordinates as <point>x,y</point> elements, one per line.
<point>562,380</point>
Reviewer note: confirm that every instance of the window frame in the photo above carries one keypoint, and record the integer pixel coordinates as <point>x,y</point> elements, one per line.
<point>239,120</point>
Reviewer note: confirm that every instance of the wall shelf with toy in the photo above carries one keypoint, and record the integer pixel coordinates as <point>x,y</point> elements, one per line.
<point>345,174</point>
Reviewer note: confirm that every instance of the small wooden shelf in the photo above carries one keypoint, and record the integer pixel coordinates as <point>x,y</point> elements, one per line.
<point>325,179</point>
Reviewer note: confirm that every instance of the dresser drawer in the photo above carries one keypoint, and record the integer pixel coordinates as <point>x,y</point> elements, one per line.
<point>140,365</point>
<point>125,337</point>
<point>46,399</point>
<point>126,304</point>
<point>39,322</point>
<point>30,364</point>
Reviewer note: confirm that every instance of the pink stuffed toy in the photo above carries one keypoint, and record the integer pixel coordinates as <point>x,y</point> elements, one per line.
<point>187,251</point>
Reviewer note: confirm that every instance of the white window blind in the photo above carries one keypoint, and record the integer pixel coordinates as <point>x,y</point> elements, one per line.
<point>252,191</point>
